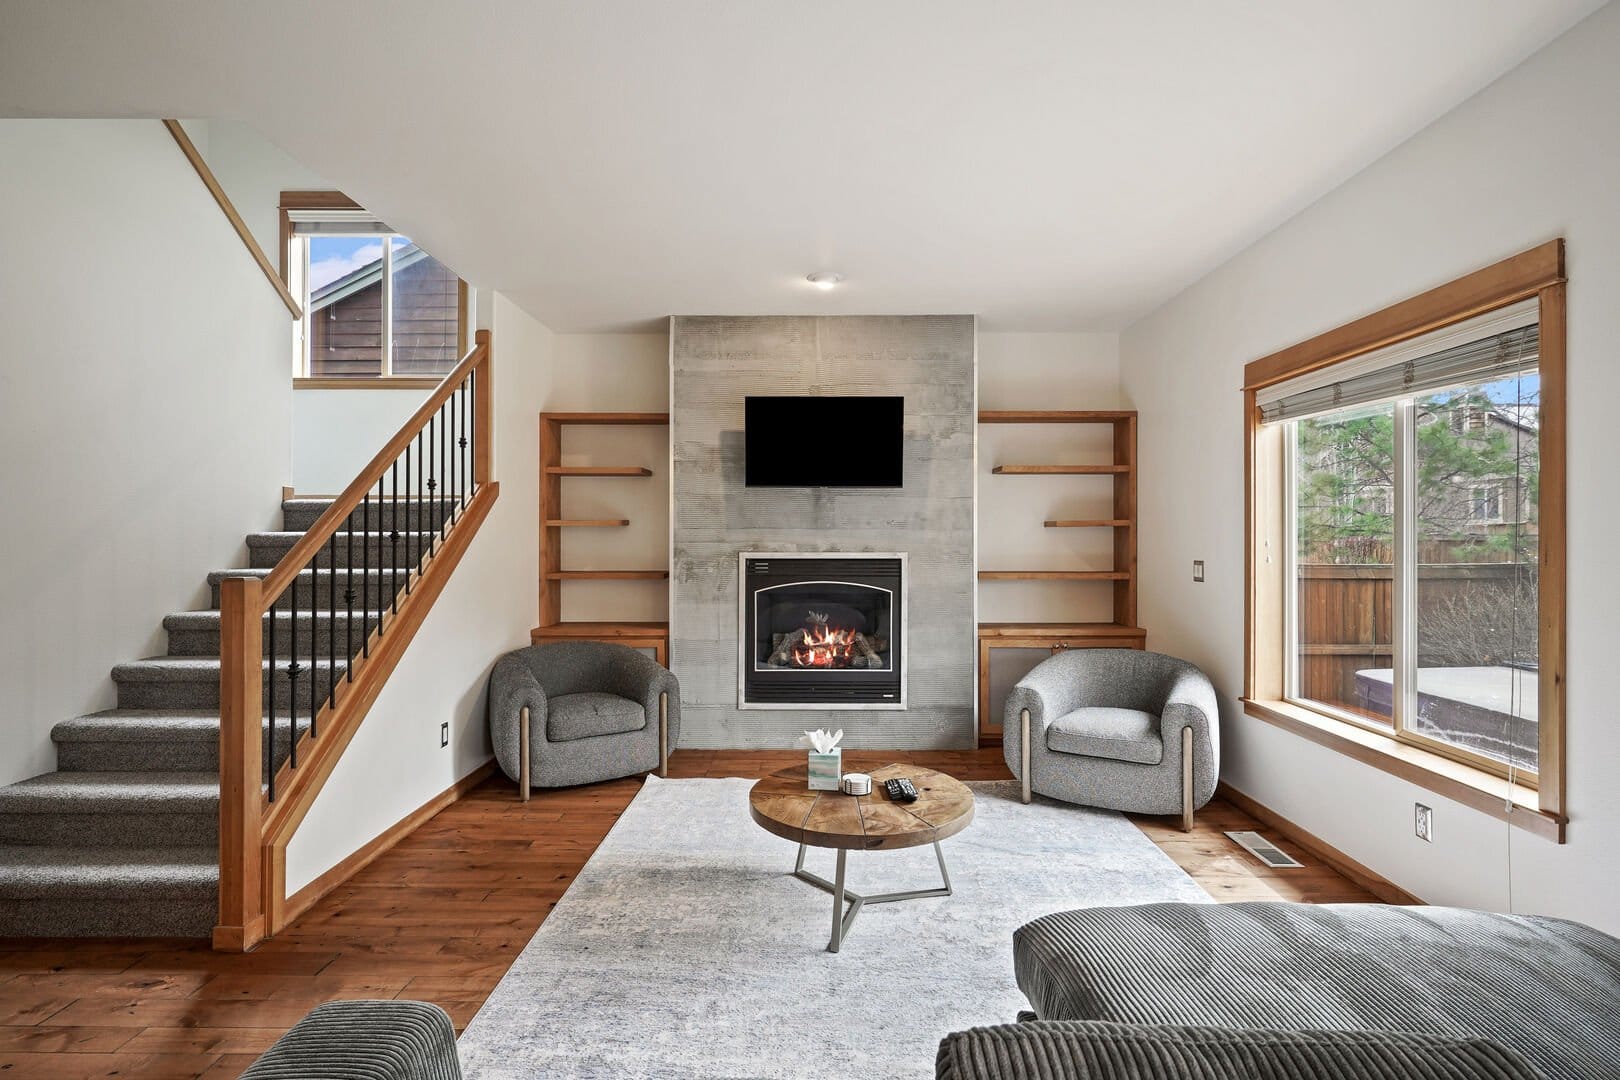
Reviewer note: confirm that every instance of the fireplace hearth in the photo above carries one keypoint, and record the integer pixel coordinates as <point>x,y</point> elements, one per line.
<point>821,631</point>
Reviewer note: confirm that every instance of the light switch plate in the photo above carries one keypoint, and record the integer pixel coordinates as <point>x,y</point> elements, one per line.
<point>444,734</point>
<point>1198,569</point>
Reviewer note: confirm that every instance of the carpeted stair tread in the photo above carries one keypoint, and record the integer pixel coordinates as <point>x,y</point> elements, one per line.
<point>112,792</point>
<point>113,874</point>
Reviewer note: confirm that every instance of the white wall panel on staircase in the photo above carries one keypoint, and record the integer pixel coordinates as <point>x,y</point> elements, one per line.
<point>144,410</point>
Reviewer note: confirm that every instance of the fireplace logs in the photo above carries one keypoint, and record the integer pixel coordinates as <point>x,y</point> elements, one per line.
<point>817,644</point>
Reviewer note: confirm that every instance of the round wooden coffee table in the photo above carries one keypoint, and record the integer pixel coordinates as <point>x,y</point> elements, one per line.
<point>782,803</point>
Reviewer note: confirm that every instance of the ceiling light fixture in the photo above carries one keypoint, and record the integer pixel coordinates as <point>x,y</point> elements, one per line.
<point>824,279</point>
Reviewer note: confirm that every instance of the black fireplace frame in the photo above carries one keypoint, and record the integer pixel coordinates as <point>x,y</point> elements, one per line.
<point>845,688</point>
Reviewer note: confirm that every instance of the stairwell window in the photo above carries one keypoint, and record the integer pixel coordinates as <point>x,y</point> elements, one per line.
<point>1406,542</point>
<point>376,305</point>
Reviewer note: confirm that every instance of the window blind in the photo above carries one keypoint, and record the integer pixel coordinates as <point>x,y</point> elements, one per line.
<point>1497,345</point>
<point>335,223</point>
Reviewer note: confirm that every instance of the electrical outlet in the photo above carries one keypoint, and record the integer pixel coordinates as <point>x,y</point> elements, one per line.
<point>444,734</point>
<point>1198,569</point>
<point>1423,822</point>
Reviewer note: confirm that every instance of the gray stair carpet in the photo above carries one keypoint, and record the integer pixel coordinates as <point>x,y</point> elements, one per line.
<point>122,840</point>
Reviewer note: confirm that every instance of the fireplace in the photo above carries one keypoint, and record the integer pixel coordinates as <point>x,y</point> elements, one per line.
<point>822,631</point>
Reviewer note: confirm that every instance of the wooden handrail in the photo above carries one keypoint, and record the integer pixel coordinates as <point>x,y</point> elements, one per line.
<point>258,820</point>
<point>188,148</point>
<point>344,505</point>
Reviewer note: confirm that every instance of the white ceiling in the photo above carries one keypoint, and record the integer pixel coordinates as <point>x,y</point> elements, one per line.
<point>1047,165</point>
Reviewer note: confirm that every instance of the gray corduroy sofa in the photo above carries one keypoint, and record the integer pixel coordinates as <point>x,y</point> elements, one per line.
<point>1546,989</point>
<point>578,712</point>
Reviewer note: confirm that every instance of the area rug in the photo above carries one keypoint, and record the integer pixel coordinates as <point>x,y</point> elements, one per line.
<point>685,949</point>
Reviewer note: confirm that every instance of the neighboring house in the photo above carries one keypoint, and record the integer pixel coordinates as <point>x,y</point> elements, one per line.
<point>345,319</point>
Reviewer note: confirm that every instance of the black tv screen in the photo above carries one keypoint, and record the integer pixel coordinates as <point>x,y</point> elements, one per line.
<point>825,441</point>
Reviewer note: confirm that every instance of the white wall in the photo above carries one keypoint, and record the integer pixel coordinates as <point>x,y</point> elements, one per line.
<point>254,172</point>
<point>1530,158</point>
<point>1043,371</point>
<point>335,433</point>
<point>144,411</point>
<point>395,763</point>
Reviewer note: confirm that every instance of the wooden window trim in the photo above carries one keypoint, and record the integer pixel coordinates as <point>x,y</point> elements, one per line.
<point>1538,272</point>
<point>336,200</point>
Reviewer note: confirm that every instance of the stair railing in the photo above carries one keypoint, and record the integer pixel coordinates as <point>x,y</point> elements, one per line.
<point>291,696</point>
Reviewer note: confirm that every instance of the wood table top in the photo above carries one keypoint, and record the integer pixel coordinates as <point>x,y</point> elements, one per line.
<point>782,803</point>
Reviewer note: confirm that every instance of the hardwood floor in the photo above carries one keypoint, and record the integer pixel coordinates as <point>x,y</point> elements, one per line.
<point>440,918</point>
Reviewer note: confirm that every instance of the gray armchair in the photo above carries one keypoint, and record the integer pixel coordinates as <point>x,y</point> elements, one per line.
<point>1116,728</point>
<point>576,712</point>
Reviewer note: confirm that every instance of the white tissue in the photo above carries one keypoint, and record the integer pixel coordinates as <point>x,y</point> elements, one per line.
<point>821,741</point>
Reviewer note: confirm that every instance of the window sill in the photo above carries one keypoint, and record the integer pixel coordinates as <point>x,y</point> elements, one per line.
<point>389,382</point>
<point>1475,788</point>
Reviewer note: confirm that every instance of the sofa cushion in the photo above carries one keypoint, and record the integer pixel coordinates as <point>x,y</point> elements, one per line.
<point>1092,1050</point>
<point>1119,734</point>
<point>582,716</point>
<point>1542,987</point>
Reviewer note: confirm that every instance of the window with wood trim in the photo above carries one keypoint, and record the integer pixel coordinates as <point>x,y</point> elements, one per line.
<point>1406,528</point>
<point>376,305</point>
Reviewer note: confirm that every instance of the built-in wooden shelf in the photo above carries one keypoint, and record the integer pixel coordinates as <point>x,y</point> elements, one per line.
<point>597,470</point>
<point>606,575</point>
<point>1056,416</point>
<point>1119,465</point>
<point>636,635</point>
<point>1054,575</point>
<point>1060,470</point>
<point>1091,523</point>
<point>552,574</point>
<point>1053,637</point>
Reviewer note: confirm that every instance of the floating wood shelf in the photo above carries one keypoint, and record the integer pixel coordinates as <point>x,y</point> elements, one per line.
<point>1054,575</point>
<point>597,470</point>
<point>1059,416</point>
<point>606,575</point>
<point>588,523</point>
<point>1091,523</point>
<point>1059,470</point>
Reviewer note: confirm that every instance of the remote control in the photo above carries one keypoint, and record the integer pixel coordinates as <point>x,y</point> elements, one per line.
<point>901,790</point>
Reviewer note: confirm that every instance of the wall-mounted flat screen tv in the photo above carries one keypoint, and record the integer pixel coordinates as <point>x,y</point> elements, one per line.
<point>816,441</point>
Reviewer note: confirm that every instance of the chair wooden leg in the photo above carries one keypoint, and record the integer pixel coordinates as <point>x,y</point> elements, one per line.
<point>663,735</point>
<point>1023,752</point>
<point>523,754</point>
<point>1186,779</point>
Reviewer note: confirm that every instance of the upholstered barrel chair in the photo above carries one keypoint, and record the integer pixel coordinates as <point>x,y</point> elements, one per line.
<point>576,712</point>
<point>1117,728</point>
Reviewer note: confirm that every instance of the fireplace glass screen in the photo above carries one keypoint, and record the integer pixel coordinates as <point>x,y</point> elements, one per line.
<point>823,626</point>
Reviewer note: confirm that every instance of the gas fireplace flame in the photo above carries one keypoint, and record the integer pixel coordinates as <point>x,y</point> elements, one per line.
<point>823,645</point>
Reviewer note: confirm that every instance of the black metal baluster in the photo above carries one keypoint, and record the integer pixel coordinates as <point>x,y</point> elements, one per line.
<point>270,729</point>
<point>348,595</point>
<point>432,483</point>
<point>455,456</point>
<point>444,490</point>
<point>331,627</point>
<point>466,428</point>
<point>365,576</point>
<point>314,605</point>
<point>417,513</point>
<point>382,599</point>
<point>410,565</point>
<point>293,671</point>
<point>393,545</point>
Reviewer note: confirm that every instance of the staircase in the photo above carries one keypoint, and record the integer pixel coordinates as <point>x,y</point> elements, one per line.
<point>123,839</point>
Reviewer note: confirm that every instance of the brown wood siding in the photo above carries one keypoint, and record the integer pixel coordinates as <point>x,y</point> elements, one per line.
<point>346,337</point>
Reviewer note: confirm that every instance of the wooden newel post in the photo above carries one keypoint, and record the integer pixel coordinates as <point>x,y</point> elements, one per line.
<point>483,413</point>
<point>241,764</point>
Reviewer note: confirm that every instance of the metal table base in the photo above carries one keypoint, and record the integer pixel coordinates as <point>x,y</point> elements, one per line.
<point>841,919</point>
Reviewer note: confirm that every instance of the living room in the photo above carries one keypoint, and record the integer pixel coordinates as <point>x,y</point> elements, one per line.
<point>1162,442</point>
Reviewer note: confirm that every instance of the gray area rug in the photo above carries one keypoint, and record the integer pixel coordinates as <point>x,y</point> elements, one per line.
<point>685,949</point>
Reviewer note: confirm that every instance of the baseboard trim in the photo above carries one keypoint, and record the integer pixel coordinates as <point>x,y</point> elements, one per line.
<point>311,894</point>
<point>1375,883</point>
